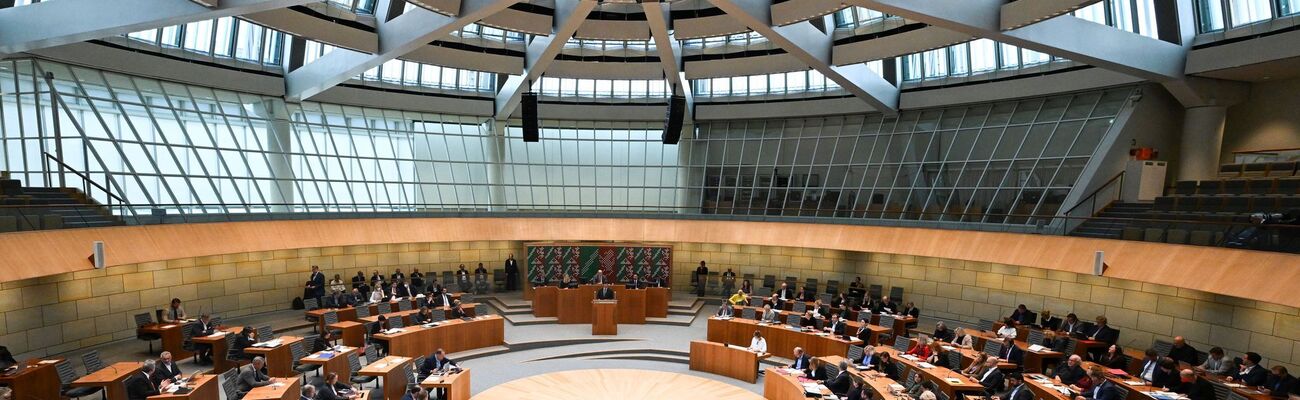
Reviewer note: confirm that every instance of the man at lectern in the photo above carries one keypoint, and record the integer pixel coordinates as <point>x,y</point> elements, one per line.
<point>605,293</point>
<point>599,279</point>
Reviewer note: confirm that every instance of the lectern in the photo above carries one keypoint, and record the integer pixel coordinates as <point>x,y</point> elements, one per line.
<point>604,318</point>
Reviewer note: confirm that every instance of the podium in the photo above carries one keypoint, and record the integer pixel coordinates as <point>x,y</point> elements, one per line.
<point>604,319</point>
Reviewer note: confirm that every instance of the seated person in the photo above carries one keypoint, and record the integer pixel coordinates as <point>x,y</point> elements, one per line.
<point>424,316</point>
<point>1102,389</point>
<point>1016,389</point>
<point>1071,372</point>
<point>378,327</point>
<point>961,339</point>
<point>1166,375</point>
<point>1217,363</point>
<point>808,319</point>
<point>976,367</point>
<point>920,349</point>
<point>247,337</point>
<point>884,363</point>
<point>937,354</point>
<point>839,384</point>
<point>1012,353</point>
<point>1008,329</point>
<point>332,389</point>
<point>868,358</point>
<point>253,377</point>
<point>1182,352</point>
<point>990,377</point>
<point>458,310</point>
<point>942,333</point>
<point>436,362</point>
<point>1280,383</point>
<point>174,312</point>
<point>770,316</point>
<point>166,368</point>
<point>725,310</point>
<point>739,299</point>
<point>323,342</point>
<point>1250,373</point>
<point>1193,387</point>
<point>7,360</point>
<point>1113,358</point>
<point>141,385</point>
<point>1047,322</point>
<point>802,361</point>
<point>1021,316</point>
<point>836,326</point>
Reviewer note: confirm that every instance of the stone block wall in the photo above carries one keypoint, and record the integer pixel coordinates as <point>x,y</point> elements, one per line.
<point>58,314</point>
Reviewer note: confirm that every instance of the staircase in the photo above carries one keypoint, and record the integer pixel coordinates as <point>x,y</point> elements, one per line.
<point>1106,229</point>
<point>35,208</point>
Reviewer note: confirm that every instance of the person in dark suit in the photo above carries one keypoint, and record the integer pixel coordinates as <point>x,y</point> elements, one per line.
<point>246,338</point>
<point>7,359</point>
<point>402,289</point>
<point>1071,372</point>
<point>1022,315</point>
<point>942,333</point>
<point>1250,373</point>
<point>1280,383</point>
<point>316,283</point>
<point>1113,358</point>
<point>1150,363</point>
<point>1166,375</point>
<point>633,282</point>
<point>144,384</point>
<point>204,327</point>
<point>868,357</point>
<point>1183,352</point>
<point>910,310</point>
<point>605,292</point>
<point>1193,387</point>
<point>512,273</point>
<point>857,392</point>
<point>785,293</point>
<point>424,316</point>
<point>332,389</point>
<point>323,342</point>
<point>1011,352</point>
<point>775,301</point>
<point>416,393</point>
<point>991,377</point>
<point>725,310</point>
<point>417,281</point>
<point>358,280</point>
<point>801,361</point>
<point>884,363</point>
<point>252,377</point>
<point>701,278</point>
<point>1103,333</point>
<point>397,275</point>
<point>836,326</point>
<point>1018,390</point>
<point>1071,325</point>
<point>807,319</point>
<point>438,362</point>
<point>166,368</point>
<point>441,299</point>
<point>458,310</point>
<point>1103,389</point>
<point>1048,322</point>
<point>840,383</point>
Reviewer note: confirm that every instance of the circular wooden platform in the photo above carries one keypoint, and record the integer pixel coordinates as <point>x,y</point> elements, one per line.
<point>621,384</point>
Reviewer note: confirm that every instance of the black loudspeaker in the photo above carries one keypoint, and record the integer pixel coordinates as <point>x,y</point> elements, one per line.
<point>529,104</point>
<point>676,113</point>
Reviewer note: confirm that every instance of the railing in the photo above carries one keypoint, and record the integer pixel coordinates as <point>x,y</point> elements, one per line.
<point>87,183</point>
<point>1105,195</point>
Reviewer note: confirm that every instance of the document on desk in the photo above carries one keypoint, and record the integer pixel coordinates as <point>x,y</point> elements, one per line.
<point>925,365</point>
<point>218,334</point>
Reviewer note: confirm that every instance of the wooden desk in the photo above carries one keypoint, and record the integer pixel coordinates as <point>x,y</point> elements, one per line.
<point>288,389</point>
<point>452,336</point>
<point>172,334</point>
<point>456,385</point>
<point>622,384</point>
<point>900,323</point>
<point>1045,388</point>
<point>544,301</point>
<point>391,370</point>
<point>656,302</point>
<point>573,306</point>
<point>336,362</point>
<point>939,375</point>
<point>218,342</point>
<point>279,359</point>
<point>968,356</point>
<point>354,333</point>
<point>203,387</point>
<point>876,381</point>
<point>631,305</point>
<point>1033,361</point>
<point>718,358</point>
<point>876,330</point>
<point>780,338</point>
<point>110,378</point>
<point>604,317</point>
<point>35,381</point>
<point>781,386</point>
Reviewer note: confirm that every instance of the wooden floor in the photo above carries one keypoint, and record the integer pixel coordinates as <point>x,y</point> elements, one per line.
<point>621,384</point>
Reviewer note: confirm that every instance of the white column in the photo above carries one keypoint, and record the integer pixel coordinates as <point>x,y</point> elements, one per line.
<point>496,147</point>
<point>688,199</point>
<point>279,142</point>
<point>1202,142</point>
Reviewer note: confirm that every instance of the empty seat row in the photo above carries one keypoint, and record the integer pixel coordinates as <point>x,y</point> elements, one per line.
<point>1264,169</point>
<point>1242,186</point>
<point>1198,237</point>
<point>1226,204</point>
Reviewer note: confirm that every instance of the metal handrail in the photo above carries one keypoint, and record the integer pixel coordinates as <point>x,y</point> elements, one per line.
<point>1092,196</point>
<point>85,178</point>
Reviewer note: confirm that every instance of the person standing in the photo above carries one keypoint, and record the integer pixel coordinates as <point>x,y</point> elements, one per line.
<point>701,277</point>
<point>316,284</point>
<point>512,273</point>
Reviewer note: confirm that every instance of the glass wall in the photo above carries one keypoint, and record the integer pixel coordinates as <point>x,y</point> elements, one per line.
<point>971,164</point>
<point>414,74</point>
<point>229,38</point>
<point>194,149</point>
<point>1216,15</point>
<point>970,58</point>
<point>602,88</point>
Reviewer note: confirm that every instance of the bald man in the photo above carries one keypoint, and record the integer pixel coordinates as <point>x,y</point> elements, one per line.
<point>1071,372</point>
<point>1182,352</point>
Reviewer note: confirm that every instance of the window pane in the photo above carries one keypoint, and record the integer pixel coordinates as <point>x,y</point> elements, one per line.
<point>1247,11</point>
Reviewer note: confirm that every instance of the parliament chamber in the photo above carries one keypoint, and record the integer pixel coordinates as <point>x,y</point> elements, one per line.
<point>650,199</point>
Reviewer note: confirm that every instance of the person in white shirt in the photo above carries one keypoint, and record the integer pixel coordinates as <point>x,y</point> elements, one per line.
<point>961,339</point>
<point>758,344</point>
<point>1008,329</point>
<point>376,295</point>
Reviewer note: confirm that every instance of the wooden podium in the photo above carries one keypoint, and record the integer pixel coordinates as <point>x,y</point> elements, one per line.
<point>604,318</point>
<point>718,358</point>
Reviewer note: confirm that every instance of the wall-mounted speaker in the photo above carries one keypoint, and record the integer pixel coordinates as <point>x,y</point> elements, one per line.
<point>676,113</point>
<point>529,105</point>
<point>97,254</point>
